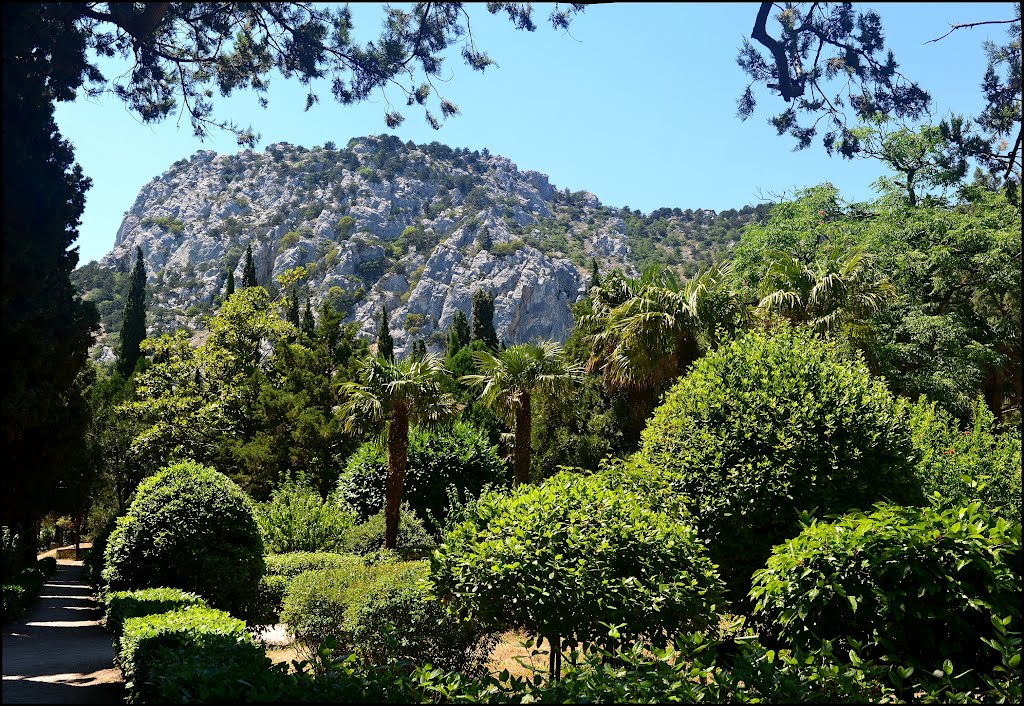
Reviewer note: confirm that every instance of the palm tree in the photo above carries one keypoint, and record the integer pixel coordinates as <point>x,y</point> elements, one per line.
<point>646,332</point>
<point>396,393</point>
<point>509,379</point>
<point>838,293</point>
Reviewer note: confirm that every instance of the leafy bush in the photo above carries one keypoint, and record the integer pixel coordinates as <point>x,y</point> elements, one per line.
<point>94,557</point>
<point>392,615</point>
<point>767,427</point>
<point>459,456</point>
<point>904,584</point>
<point>282,568</point>
<point>960,466</point>
<point>23,588</point>
<point>162,656</point>
<point>297,519</point>
<point>368,536</point>
<point>572,557</point>
<point>383,613</point>
<point>122,605</point>
<point>192,528</point>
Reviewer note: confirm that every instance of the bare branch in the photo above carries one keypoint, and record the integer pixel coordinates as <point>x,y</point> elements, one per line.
<point>954,28</point>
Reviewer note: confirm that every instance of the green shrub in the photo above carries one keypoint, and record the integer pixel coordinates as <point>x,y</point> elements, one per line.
<point>910,585</point>
<point>282,568</point>
<point>570,558</point>
<point>48,565</point>
<point>383,613</point>
<point>961,466</point>
<point>159,654</point>
<point>94,557</point>
<point>368,536</point>
<point>16,598</point>
<point>767,427</point>
<point>122,605</point>
<point>392,615</point>
<point>314,607</point>
<point>297,519</point>
<point>459,456</point>
<point>192,528</point>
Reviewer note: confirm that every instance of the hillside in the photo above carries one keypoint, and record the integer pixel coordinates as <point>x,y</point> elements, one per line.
<point>417,228</point>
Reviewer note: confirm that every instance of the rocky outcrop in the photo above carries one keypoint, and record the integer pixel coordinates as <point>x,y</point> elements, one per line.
<point>417,228</point>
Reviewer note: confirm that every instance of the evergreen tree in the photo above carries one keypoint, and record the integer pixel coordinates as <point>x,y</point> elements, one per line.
<point>293,309</point>
<point>308,322</point>
<point>483,319</point>
<point>595,278</point>
<point>484,239</point>
<point>229,288</point>
<point>133,326</point>
<point>458,334</point>
<point>249,271</point>
<point>385,343</point>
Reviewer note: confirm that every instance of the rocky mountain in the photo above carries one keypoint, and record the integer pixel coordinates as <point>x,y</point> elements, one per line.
<point>415,228</point>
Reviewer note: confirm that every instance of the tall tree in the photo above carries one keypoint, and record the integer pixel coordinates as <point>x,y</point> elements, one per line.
<point>385,342</point>
<point>293,309</point>
<point>458,334</point>
<point>229,288</point>
<point>483,319</point>
<point>47,328</point>
<point>595,276</point>
<point>509,379</point>
<point>396,393</point>
<point>308,321</point>
<point>133,326</point>
<point>645,332</point>
<point>249,269</point>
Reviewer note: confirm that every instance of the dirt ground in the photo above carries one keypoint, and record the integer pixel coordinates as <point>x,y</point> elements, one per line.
<point>57,653</point>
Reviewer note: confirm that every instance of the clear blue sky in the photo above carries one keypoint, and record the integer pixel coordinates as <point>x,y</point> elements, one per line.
<point>637,104</point>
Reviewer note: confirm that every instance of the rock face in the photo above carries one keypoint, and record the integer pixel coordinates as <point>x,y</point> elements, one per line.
<point>417,228</point>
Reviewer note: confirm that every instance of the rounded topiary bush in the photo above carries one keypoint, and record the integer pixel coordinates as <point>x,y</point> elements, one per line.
<point>192,528</point>
<point>459,456</point>
<point>770,426</point>
<point>915,585</point>
<point>567,559</point>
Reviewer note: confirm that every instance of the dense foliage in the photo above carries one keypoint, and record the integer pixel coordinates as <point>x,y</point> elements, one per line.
<point>458,456</point>
<point>191,528</point>
<point>914,585</point>
<point>575,561</point>
<point>296,519</point>
<point>770,426</point>
<point>124,605</point>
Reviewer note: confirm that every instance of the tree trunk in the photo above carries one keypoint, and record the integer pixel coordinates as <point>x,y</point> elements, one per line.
<point>521,451</point>
<point>398,449</point>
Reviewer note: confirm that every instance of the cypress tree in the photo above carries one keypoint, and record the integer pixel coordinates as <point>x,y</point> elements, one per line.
<point>595,279</point>
<point>293,309</point>
<point>483,319</point>
<point>229,289</point>
<point>133,325</point>
<point>249,271</point>
<point>308,322</point>
<point>385,343</point>
<point>458,334</point>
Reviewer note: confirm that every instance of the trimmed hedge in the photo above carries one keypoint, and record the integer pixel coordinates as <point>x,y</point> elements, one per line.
<point>770,426</point>
<point>123,605</point>
<point>906,585</point>
<point>192,528</point>
<point>165,656</point>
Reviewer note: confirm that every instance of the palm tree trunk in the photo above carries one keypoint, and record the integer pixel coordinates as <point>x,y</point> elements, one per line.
<point>398,449</point>
<point>521,452</point>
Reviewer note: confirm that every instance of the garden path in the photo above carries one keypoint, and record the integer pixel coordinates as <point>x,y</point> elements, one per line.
<point>58,653</point>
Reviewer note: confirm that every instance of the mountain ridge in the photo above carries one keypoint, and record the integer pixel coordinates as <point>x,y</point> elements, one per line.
<point>416,228</point>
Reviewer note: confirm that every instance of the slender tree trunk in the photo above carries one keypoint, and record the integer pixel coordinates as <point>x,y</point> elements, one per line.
<point>521,451</point>
<point>398,449</point>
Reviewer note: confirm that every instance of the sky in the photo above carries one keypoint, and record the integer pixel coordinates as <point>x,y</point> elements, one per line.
<point>635,103</point>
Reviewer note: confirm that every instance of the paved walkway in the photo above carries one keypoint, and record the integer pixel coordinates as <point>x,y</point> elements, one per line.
<point>57,653</point>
